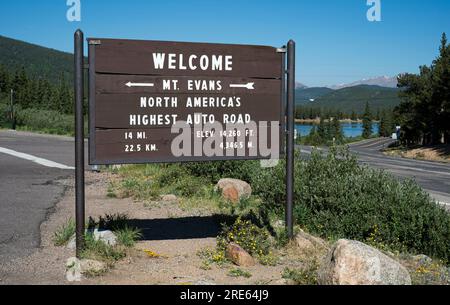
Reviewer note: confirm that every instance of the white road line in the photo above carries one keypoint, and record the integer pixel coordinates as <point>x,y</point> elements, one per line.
<point>34,159</point>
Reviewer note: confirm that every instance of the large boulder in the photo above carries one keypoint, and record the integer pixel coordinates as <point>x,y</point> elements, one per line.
<point>354,263</point>
<point>234,189</point>
<point>239,256</point>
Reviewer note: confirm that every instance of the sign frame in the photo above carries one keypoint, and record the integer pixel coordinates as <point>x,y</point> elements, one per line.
<point>287,128</point>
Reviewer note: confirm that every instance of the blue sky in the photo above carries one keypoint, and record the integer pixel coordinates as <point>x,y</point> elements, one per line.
<point>335,41</point>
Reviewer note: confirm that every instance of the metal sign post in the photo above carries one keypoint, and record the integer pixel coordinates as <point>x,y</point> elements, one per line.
<point>79,141</point>
<point>290,139</point>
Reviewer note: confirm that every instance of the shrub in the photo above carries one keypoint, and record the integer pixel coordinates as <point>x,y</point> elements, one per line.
<point>250,237</point>
<point>176,179</point>
<point>4,112</point>
<point>337,198</point>
<point>47,121</point>
<point>214,171</point>
<point>113,222</point>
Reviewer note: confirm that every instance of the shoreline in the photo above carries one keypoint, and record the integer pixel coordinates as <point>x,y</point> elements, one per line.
<point>317,121</point>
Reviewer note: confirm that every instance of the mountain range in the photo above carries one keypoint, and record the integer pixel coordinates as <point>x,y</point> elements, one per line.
<point>382,81</point>
<point>354,98</point>
<point>51,64</point>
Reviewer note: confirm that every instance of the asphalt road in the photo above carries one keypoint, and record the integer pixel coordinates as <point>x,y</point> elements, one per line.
<point>433,177</point>
<point>27,189</point>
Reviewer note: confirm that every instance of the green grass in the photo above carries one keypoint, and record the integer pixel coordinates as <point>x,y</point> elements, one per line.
<point>128,236</point>
<point>307,276</point>
<point>236,272</point>
<point>63,235</point>
<point>98,250</point>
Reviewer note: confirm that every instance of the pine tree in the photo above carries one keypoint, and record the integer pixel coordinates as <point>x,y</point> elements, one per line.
<point>337,131</point>
<point>424,112</point>
<point>354,116</point>
<point>322,130</point>
<point>4,80</point>
<point>367,123</point>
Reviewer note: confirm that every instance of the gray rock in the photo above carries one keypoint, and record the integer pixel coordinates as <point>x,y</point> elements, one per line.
<point>108,237</point>
<point>72,244</point>
<point>354,263</point>
<point>73,270</point>
<point>307,242</point>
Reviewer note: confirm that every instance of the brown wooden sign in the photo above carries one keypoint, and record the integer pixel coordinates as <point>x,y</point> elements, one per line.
<point>152,101</point>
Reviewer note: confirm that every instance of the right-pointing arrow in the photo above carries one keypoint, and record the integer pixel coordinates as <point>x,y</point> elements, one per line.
<point>249,86</point>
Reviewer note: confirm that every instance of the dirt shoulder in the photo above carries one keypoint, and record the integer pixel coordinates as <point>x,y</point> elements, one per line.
<point>439,153</point>
<point>175,234</point>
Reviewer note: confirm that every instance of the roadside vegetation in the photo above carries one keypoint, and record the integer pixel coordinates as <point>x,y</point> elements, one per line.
<point>38,104</point>
<point>38,120</point>
<point>335,198</point>
<point>97,249</point>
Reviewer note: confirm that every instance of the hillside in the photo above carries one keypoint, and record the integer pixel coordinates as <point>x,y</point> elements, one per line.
<point>382,81</point>
<point>37,61</point>
<point>355,98</point>
<point>304,95</point>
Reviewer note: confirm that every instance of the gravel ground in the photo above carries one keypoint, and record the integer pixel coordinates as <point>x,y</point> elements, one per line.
<point>175,234</point>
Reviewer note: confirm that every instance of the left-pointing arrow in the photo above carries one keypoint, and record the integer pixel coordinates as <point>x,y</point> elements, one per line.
<point>130,84</point>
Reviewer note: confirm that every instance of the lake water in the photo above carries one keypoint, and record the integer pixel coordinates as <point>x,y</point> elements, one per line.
<point>351,130</point>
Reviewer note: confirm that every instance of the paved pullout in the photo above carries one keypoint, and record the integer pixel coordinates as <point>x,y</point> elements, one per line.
<point>28,191</point>
<point>434,177</point>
